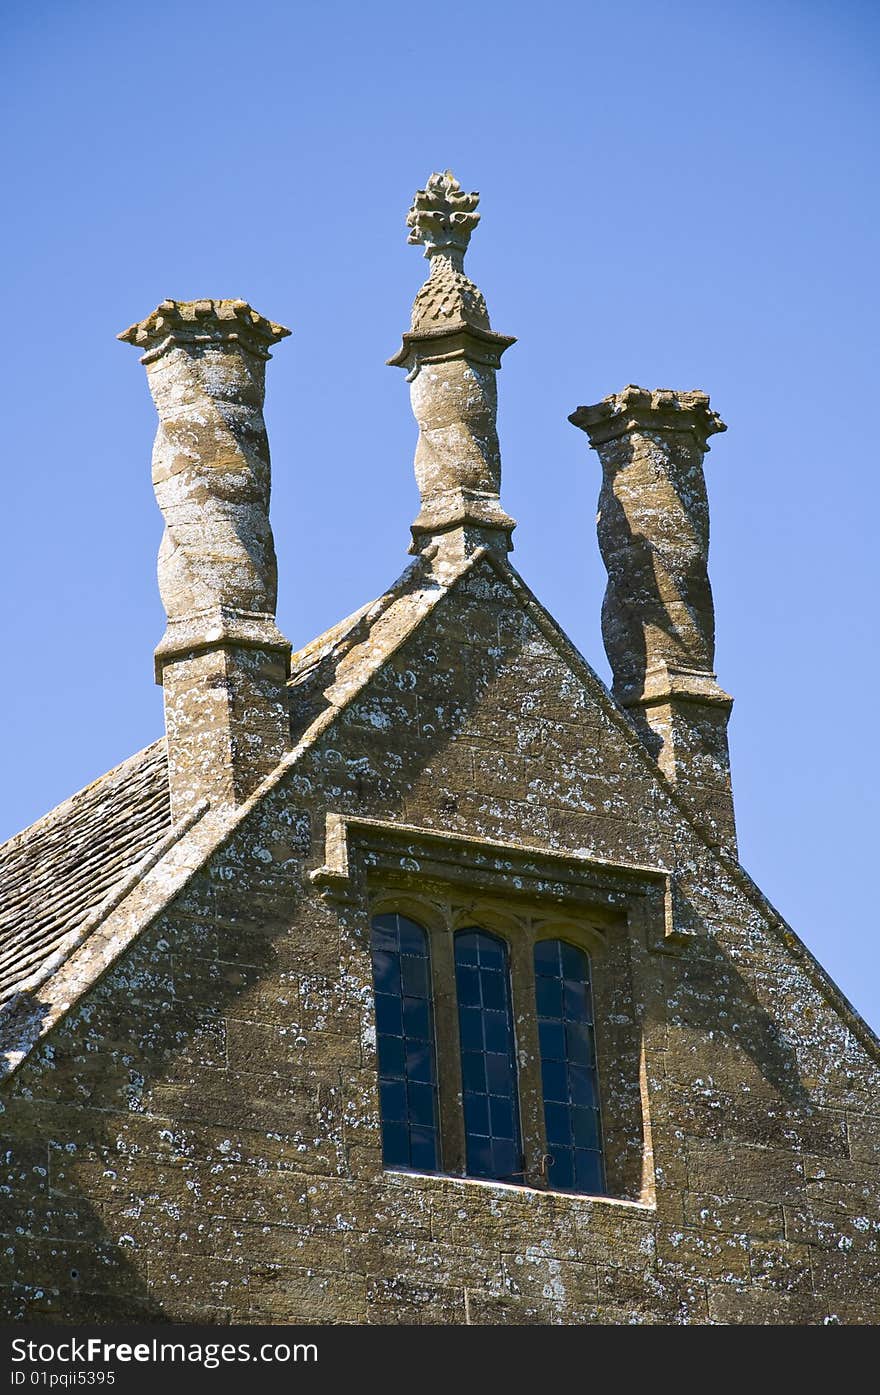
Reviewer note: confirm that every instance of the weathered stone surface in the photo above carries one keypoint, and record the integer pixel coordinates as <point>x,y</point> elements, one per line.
<point>61,874</point>
<point>190,1112</point>
<point>223,662</point>
<point>658,620</point>
<point>247,1159</point>
<point>451,354</point>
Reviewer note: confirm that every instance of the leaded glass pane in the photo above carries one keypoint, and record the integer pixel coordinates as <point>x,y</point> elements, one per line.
<point>568,1067</point>
<point>488,1057</point>
<point>405,1043</point>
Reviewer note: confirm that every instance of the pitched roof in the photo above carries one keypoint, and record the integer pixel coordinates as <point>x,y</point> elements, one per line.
<point>56,874</point>
<point>108,861</point>
<point>79,885</point>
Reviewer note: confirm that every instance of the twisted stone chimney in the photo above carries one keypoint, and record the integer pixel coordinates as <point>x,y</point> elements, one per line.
<point>222,662</point>
<point>451,354</point>
<point>658,620</point>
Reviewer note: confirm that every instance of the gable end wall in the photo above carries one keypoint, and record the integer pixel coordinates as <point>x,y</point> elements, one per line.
<point>199,1139</point>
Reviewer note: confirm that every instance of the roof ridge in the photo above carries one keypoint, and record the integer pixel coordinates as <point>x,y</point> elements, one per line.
<point>336,636</point>
<point>329,638</point>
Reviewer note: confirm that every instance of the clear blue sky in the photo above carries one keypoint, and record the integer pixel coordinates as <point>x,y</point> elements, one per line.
<point>675,194</point>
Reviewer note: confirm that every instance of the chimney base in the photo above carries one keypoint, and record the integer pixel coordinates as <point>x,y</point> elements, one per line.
<point>227,721</point>
<point>682,716</point>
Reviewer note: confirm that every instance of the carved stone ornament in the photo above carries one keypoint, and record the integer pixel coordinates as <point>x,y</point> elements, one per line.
<point>206,362</point>
<point>452,353</point>
<point>658,616</point>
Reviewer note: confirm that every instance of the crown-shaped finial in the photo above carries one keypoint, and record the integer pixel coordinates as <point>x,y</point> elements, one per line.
<point>441,215</point>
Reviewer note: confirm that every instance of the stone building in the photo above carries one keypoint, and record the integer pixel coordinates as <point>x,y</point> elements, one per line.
<point>413,977</point>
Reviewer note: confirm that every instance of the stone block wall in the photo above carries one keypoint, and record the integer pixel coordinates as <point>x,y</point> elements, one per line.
<point>199,1140</point>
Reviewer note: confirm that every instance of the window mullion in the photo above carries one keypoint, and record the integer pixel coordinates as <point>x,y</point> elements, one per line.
<point>534,1139</point>
<point>448,1051</point>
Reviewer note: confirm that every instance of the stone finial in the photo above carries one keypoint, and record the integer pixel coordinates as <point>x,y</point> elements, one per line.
<point>452,354</point>
<point>658,617</point>
<point>223,662</point>
<point>442,215</point>
<point>442,219</point>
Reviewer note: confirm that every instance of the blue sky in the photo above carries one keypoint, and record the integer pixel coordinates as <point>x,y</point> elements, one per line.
<point>675,194</point>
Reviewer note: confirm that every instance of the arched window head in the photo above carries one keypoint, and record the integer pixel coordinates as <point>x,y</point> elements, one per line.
<point>564,1003</point>
<point>488,1057</point>
<point>405,1043</point>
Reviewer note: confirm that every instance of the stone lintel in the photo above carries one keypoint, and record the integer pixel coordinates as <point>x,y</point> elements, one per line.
<point>638,409</point>
<point>203,322</point>
<point>357,848</point>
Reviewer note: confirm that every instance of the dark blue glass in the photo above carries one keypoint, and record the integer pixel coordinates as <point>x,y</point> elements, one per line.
<point>562,1169</point>
<point>386,971</point>
<point>421,1106</point>
<point>392,1100</point>
<point>555,1078</point>
<point>405,1044</point>
<point>488,1057</point>
<point>468,986</point>
<point>419,1065</point>
<point>476,1114</point>
<point>389,1017</point>
<point>584,1086</point>
<point>552,1038</point>
<point>501,1117</point>
<point>589,1172</point>
<point>549,998</point>
<point>470,1023</point>
<point>473,1071</point>
<point>557,1118</point>
<point>414,975</point>
<point>423,1149</point>
<point>417,1019</point>
<point>568,1067</point>
<point>392,1057</point>
<point>385,936</point>
<point>495,1028</point>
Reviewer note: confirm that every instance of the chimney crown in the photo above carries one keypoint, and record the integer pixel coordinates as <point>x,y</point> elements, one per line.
<point>637,408</point>
<point>203,322</point>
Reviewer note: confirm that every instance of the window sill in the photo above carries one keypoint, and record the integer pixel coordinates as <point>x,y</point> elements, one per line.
<point>515,1189</point>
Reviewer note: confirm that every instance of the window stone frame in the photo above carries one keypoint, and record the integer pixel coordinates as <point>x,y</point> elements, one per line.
<point>619,914</point>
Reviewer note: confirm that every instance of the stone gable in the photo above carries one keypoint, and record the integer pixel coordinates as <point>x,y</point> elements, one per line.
<point>198,1138</point>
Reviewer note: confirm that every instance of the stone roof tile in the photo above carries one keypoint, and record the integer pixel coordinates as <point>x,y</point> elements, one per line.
<point>57,873</point>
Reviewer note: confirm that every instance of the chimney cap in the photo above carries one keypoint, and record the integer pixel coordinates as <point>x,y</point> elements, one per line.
<point>658,409</point>
<point>203,322</point>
